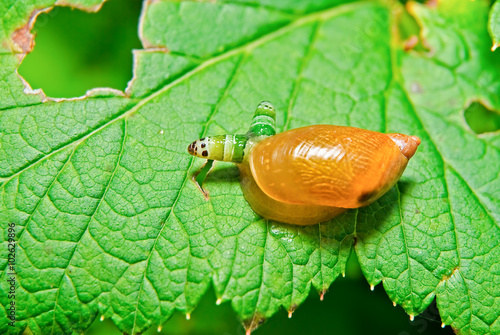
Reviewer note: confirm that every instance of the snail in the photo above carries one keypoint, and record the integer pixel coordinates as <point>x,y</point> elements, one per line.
<point>311,174</point>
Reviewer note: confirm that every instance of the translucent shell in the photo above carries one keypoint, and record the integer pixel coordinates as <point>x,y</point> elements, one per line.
<point>272,209</point>
<point>322,170</point>
<point>307,175</point>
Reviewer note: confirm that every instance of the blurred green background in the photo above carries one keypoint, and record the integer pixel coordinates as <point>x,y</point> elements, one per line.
<point>76,51</point>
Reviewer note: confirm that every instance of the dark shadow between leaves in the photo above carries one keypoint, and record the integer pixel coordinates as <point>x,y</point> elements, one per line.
<point>427,319</point>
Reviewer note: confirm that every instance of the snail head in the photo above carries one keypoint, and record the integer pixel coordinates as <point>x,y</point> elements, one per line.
<point>199,148</point>
<point>228,148</point>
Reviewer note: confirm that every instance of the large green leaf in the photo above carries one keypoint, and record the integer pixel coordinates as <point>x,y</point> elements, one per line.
<point>494,24</point>
<point>109,222</point>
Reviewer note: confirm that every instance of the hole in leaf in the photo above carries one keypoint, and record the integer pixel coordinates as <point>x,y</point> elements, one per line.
<point>76,51</point>
<point>410,30</point>
<point>481,119</point>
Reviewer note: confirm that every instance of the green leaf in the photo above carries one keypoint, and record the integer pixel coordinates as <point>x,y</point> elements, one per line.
<point>109,221</point>
<point>494,25</point>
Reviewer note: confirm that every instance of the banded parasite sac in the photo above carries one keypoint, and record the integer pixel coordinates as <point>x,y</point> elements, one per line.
<point>311,174</point>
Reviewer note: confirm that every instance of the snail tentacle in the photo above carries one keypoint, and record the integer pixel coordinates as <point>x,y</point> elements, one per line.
<point>231,148</point>
<point>263,121</point>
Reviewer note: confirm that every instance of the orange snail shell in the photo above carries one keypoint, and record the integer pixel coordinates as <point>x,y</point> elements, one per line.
<point>311,174</point>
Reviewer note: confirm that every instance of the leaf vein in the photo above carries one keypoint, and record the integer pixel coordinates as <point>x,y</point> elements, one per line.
<point>120,154</point>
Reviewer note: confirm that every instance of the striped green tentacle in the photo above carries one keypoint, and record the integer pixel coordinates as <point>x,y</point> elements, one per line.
<point>263,122</point>
<point>231,148</point>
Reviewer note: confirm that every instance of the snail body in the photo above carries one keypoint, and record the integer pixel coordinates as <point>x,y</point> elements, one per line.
<point>311,174</point>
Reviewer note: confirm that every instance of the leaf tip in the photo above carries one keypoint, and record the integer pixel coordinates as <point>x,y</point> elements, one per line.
<point>443,325</point>
<point>412,317</point>
<point>101,318</point>
<point>159,329</point>
<point>188,316</point>
<point>495,46</point>
<point>218,301</point>
<point>372,287</point>
<point>291,310</point>
<point>322,295</point>
<point>253,323</point>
